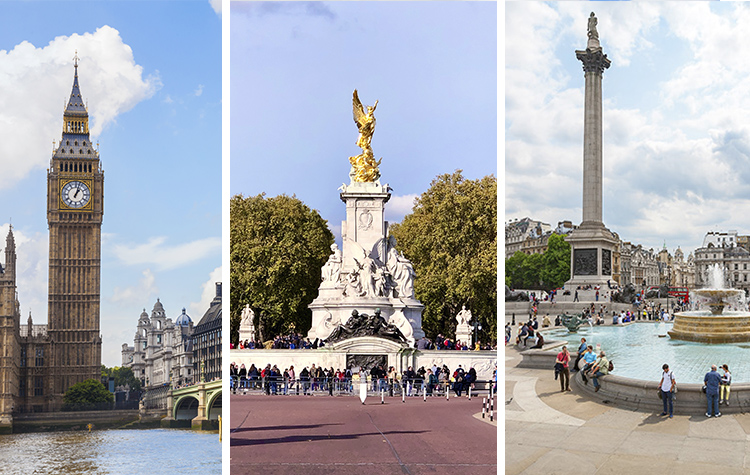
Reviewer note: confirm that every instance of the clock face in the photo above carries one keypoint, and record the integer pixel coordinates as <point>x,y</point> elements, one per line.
<point>75,194</point>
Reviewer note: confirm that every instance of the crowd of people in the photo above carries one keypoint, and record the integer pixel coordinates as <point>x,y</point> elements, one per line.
<point>294,341</point>
<point>273,381</point>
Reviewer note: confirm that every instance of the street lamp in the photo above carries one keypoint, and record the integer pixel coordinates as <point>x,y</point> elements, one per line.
<point>477,328</point>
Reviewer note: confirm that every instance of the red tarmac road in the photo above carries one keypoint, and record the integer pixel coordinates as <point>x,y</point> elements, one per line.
<point>339,435</point>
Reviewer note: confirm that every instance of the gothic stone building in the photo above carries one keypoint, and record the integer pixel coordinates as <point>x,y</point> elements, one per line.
<point>39,363</point>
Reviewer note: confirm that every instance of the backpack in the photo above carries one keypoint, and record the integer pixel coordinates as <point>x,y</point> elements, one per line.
<point>611,366</point>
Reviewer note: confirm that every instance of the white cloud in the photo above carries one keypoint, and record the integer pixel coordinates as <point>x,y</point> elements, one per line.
<point>675,165</point>
<point>197,309</point>
<point>35,84</point>
<point>32,257</point>
<point>398,207</point>
<point>156,252</point>
<point>199,91</point>
<point>138,293</point>
<point>216,5</point>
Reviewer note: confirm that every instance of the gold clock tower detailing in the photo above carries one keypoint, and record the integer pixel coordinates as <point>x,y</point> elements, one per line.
<point>75,207</point>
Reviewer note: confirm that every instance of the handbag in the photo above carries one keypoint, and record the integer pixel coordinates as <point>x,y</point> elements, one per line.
<point>660,394</point>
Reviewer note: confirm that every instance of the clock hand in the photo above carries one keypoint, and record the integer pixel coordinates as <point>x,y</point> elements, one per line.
<point>76,193</point>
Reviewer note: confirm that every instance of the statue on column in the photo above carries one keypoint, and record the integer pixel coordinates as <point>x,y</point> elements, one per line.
<point>364,167</point>
<point>331,271</point>
<point>592,31</point>
<point>464,316</point>
<point>247,329</point>
<point>463,331</point>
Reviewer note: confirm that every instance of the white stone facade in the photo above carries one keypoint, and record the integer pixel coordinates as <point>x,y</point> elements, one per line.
<point>162,350</point>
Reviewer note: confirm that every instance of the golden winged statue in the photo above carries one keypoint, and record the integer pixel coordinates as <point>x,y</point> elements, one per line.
<point>364,167</point>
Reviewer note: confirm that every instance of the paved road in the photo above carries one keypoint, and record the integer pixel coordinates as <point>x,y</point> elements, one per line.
<point>339,435</point>
<point>548,432</point>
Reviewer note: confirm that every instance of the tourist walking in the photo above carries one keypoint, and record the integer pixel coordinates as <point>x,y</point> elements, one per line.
<point>712,381</point>
<point>600,368</point>
<point>562,360</point>
<point>726,380</point>
<point>666,386</point>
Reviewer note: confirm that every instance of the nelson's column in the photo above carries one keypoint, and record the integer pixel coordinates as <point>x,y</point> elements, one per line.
<point>592,243</point>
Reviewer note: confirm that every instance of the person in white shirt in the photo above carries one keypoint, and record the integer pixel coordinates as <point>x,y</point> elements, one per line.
<point>666,386</point>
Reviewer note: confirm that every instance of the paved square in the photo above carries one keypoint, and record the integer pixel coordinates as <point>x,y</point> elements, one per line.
<point>312,435</point>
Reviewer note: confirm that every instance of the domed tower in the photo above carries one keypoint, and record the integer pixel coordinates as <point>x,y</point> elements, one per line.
<point>75,207</point>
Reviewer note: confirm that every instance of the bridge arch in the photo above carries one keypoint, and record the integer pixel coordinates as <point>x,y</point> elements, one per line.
<point>213,406</point>
<point>186,408</point>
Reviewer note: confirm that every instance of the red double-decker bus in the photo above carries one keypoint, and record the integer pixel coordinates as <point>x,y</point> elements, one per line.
<point>682,293</point>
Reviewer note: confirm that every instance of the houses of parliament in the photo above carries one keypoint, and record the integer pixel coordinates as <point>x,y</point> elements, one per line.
<point>38,363</point>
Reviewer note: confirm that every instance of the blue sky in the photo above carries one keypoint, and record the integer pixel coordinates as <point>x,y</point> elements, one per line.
<point>676,115</point>
<point>294,65</point>
<point>151,74</point>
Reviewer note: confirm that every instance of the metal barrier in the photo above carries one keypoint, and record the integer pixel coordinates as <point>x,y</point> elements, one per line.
<point>347,387</point>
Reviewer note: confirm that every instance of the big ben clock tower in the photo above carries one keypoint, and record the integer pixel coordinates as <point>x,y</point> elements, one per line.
<point>75,207</point>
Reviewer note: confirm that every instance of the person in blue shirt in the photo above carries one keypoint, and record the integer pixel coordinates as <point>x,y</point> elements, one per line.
<point>589,357</point>
<point>712,380</point>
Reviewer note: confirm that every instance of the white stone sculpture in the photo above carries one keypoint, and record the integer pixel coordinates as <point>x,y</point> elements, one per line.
<point>402,273</point>
<point>399,320</point>
<point>463,331</point>
<point>464,316</point>
<point>331,271</point>
<point>247,329</point>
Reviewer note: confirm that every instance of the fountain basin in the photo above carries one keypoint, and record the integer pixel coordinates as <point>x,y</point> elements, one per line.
<point>703,327</point>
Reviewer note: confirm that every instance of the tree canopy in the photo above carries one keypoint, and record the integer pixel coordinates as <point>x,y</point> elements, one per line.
<point>124,376</point>
<point>277,248</point>
<point>87,393</point>
<point>546,271</point>
<point>451,238</point>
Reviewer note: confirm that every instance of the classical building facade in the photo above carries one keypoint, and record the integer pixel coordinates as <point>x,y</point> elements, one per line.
<point>207,341</point>
<point>162,350</point>
<point>727,251</point>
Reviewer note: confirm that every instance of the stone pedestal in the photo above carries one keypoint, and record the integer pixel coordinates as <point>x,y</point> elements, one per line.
<point>463,334</point>
<point>373,275</point>
<point>247,332</point>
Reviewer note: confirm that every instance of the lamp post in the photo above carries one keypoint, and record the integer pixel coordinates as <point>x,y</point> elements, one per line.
<point>477,328</point>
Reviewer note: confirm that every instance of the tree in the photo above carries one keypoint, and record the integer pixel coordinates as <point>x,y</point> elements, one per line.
<point>277,248</point>
<point>451,239</point>
<point>556,262</point>
<point>514,266</point>
<point>87,394</point>
<point>124,376</point>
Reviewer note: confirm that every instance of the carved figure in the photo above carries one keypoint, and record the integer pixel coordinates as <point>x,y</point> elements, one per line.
<point>331,271</point>
<point>366,325</point>
<point>402,273</point>
<point>364,166</point>
<point>247,316</point>
<point>515,296</point>
<point>367,270</point>
<point>399,321</point>
<point>626,295</point>
<point>592,32</point>
<point>573,322</point>
<point>353,286</point>
<point>327,325</point>
<point>464,316</point>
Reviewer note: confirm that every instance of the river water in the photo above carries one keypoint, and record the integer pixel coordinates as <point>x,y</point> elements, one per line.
<point>111,452</point>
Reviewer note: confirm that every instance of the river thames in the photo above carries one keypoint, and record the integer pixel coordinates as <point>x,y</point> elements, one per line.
<point>111,452</point>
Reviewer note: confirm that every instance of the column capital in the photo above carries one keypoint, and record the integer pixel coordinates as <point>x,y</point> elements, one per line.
<point>594,61</point>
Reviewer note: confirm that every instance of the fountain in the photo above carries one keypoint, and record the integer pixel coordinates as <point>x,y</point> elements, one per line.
<point>715,325</point>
